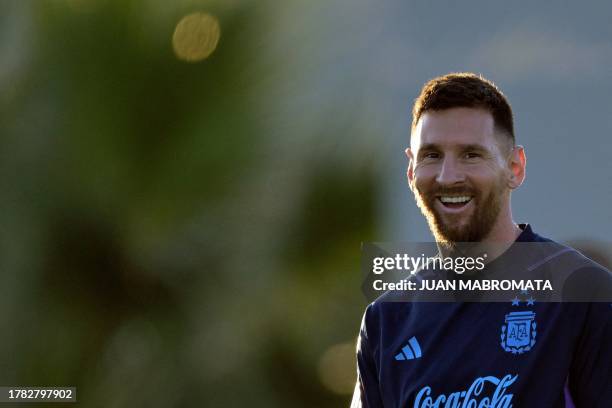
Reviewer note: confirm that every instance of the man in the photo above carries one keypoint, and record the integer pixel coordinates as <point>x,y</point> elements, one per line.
<point>463,166</point>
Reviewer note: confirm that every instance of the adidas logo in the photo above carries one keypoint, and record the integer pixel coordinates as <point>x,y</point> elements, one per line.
<point>410,351</point>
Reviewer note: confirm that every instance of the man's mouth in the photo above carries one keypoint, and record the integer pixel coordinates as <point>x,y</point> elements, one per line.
<point>455,202</point>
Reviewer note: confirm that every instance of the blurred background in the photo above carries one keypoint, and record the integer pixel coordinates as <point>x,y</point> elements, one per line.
<point>185,185</point>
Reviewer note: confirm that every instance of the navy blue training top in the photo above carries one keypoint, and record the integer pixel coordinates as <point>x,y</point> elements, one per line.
<point>473,355</point>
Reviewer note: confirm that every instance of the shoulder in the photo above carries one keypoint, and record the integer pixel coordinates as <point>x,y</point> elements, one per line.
<point>545,251</point>
<point>580,277</point>
<point>384,314</point>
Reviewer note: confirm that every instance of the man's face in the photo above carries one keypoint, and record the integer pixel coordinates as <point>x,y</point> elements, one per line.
<point>458,173</point>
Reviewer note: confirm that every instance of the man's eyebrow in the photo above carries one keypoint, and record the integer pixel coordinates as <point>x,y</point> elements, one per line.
<point>429,146</point>
<point>473,147</point>
<point>462,147</point>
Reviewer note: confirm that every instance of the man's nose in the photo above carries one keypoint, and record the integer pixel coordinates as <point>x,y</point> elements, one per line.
<point>450,172</point>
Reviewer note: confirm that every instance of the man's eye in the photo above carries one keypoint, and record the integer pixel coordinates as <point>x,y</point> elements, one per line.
<point>431,155</point>
<point>472,155</point>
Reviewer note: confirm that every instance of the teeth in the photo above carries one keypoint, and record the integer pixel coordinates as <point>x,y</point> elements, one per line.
<point>463,199</point>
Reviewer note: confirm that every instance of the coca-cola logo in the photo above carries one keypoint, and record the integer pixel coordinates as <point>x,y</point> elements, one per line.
<point>480,394</point>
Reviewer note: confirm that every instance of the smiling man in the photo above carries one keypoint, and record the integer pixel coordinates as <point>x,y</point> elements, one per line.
<point>459,175</point>
<point>463,166</point>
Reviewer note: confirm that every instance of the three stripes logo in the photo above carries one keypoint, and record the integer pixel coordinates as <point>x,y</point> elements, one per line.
<point>410,351</point>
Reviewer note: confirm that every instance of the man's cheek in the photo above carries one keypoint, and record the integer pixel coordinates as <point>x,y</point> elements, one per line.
<point>415,186</point>
<point>412,185</point>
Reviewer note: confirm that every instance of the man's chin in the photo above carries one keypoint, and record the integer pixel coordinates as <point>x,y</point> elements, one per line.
<point>454,225</point>
<point>452,237</point>
<point>452,233</point>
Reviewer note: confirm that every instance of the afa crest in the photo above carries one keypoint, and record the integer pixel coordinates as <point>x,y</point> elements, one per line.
<point>518,334</point>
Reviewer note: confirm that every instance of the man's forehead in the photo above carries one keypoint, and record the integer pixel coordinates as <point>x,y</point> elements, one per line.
<point>454,126</point>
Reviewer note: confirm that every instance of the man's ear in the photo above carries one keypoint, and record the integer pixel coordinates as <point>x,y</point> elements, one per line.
<point>517,163</point>
<point>410,170</point>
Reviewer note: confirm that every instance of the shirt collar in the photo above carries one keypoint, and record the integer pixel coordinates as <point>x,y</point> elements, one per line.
<point>527,235</point>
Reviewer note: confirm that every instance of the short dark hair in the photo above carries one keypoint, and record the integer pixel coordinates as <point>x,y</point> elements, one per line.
<point>467,90</point>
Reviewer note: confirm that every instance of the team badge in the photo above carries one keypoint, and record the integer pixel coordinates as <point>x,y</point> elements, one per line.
<point>518,334</point>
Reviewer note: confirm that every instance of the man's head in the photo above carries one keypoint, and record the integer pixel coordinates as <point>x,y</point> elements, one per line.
<point>463,158</point>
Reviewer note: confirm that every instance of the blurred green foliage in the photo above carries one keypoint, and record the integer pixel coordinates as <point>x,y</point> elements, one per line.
<point>157,248</point>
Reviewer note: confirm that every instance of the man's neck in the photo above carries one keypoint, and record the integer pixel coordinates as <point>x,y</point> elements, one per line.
<point>505,230</point>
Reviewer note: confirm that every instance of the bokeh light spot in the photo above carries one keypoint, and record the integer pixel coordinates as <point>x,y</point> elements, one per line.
<point>196,37</point>
<point>337,368</point>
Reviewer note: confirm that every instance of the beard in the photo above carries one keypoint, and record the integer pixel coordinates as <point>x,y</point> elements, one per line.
<point>448,232</point>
